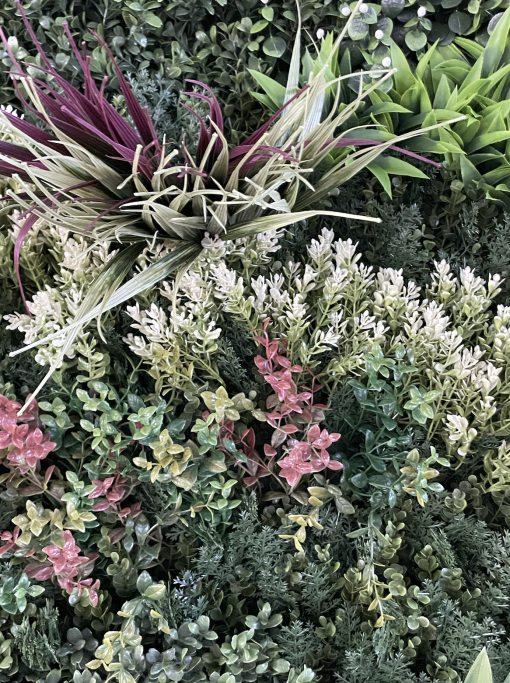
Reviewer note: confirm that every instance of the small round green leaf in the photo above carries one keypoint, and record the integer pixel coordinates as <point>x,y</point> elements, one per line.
<point>268,13</point>
<point>459,22</point>
<point>449,4</point>
<point>415,40</point>
<point>392,8</point>
<point>358,29</point>
<point>153,20</point>
<point>370,16</point>
<point>493,22</point>
<point>274,46</point>
<point>259,26</point>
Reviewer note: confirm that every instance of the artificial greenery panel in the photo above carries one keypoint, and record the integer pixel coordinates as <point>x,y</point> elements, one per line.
<point>254,342</point>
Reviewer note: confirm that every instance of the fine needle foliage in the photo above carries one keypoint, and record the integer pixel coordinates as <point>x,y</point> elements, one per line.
<point>90,171</point>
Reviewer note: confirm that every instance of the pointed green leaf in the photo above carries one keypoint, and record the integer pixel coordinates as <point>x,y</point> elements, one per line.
<point>387,108</point>
<point>381,176</point>
<point>474,49</point>
<point>399,167</point>
<point>295,63</point>
<point>275,91</point>
<point>424,61</point>
<point>487,139</point>
<point>403,77</point>
<point>495,47</point>
<point>481,671</point>
<point>470,174</point>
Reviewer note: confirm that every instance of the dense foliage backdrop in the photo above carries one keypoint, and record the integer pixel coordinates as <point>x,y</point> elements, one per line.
<point>282,455</point>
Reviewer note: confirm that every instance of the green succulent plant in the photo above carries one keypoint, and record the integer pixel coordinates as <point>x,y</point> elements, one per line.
<point>462,78</point>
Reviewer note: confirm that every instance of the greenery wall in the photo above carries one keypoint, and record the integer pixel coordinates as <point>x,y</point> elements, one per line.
<point>285,456</point>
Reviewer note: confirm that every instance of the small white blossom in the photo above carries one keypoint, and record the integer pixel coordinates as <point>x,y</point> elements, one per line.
<point>9,109</point>
<point>209,242</point>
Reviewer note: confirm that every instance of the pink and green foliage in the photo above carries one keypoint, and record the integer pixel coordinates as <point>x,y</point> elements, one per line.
<point>63,563</point>
<point>21,435</point>
<point>292,412</point>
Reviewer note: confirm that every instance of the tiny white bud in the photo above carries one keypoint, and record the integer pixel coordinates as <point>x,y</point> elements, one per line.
<point>265,2</point>
<point>363,8</point>
<point>386,62</point>
<point>379,34</point>
<point>346,11</point>
<point>320,33</point>
<point>422,11</point>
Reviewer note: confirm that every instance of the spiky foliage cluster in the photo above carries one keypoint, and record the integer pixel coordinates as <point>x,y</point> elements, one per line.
<point>462,77</point>
<point>220,42</point>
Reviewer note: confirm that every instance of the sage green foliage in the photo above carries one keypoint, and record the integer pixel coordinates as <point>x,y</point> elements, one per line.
<point>423,223</point>
<point>184,597</point>
<point>13,595</point>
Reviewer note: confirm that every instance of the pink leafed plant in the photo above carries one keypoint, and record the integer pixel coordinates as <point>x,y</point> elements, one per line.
<point>21,435</point>
<point>293,413</point>
<point>65,563</point>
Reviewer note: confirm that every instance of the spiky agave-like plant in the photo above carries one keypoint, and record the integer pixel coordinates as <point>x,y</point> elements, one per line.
<point>97,175</point>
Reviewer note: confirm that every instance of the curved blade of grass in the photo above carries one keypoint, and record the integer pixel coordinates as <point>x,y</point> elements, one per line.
<point>113,273</point>
<point>266,223</point>
<point>179,258</point>
<point>340,173</point>
<point>120,265</point>
<point>293,78</point>
<point>496,45</point>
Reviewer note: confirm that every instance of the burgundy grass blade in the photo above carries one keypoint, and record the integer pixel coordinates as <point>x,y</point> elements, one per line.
<point>77,108</point>
<point>262,154</point>
<point>33,36</point>
<point>139,114</point>
<point>243,149</point>
<point>216,114</point>
<point>358,142</point>
<point>10,170</point>
<point>205,136</point>
<point>35,133</point>
<point>17,152</point>
<point>192,171</point>
<point>73,111</point>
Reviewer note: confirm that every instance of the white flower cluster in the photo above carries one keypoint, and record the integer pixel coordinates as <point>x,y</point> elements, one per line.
<point>54,307</point>
<point>330,309</point>
<point>335,305</point>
